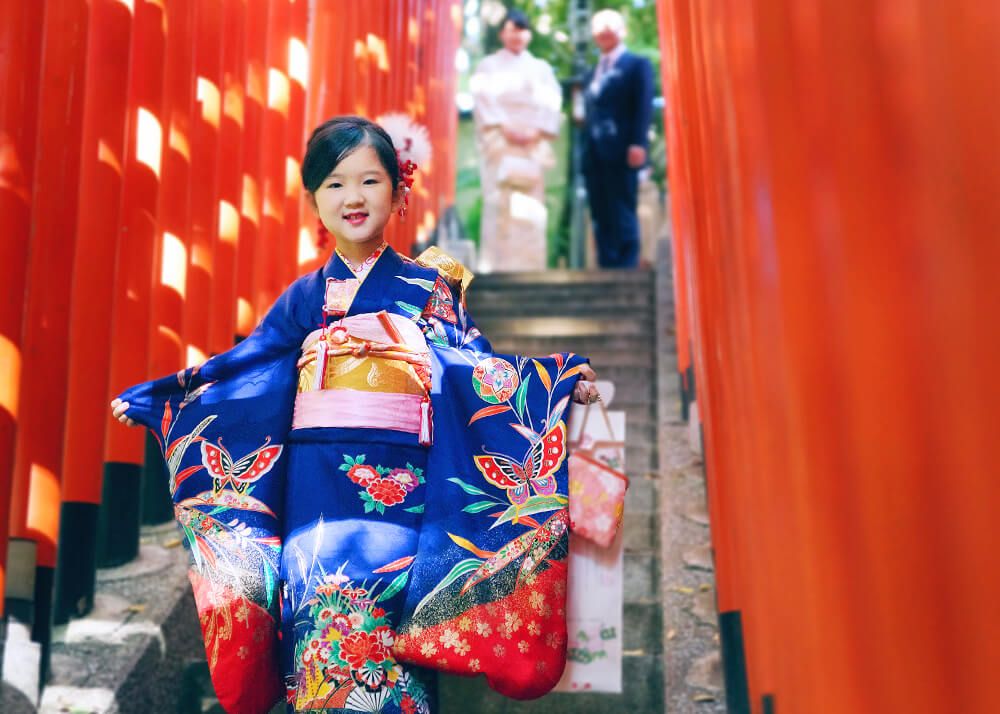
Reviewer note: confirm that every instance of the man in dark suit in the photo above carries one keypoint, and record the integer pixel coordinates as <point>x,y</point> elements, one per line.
<point>618,94</point>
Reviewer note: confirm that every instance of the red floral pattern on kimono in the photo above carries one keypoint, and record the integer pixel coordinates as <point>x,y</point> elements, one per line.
<point>441,303</point>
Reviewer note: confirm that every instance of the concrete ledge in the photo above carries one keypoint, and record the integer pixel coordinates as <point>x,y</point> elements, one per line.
<point>129,654</point>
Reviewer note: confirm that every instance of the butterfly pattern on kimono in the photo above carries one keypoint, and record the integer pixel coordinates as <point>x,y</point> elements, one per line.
<point>241,472</point>
<point>538,467</point>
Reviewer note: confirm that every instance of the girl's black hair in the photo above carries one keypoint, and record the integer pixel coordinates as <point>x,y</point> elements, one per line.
<point>335,138</point>
<point>518,18</point>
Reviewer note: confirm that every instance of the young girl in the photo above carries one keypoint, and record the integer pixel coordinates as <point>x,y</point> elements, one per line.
<point>364,472</point>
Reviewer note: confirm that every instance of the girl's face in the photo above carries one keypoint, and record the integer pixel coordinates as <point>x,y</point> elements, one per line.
<point>356,200</point>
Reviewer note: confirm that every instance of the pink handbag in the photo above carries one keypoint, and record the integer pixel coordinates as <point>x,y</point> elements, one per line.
<point>596,485</point>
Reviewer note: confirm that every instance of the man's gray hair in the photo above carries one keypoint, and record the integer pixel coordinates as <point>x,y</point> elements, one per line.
<point>608,20</point>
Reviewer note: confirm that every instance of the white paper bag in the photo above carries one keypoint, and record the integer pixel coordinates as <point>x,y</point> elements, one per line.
<point>594,617</point>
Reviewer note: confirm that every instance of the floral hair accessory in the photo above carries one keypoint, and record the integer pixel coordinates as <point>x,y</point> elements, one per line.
<point>407,168</point>
<point>413,148</point>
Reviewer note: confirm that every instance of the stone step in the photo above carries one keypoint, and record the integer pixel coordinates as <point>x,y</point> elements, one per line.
<point>630,349</point>
<point>480,296</point>
<point>551,278</point>
<point>571,327</point>
<point>597,307</point>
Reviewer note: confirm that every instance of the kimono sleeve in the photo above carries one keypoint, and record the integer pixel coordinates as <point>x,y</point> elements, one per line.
<point>222,429</point>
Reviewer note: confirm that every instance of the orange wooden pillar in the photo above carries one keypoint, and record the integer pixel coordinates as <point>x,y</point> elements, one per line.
<point>20,47</point>
<point>172,243</point>
<point>254,105</point>
<point>298,76</point>
<point>35,502</point>
<point>204,186</point>
<point>223,326</point>
<point>680,208</point>
<point>272,154</point>
<point>118,528</point>
<point>105,90</point>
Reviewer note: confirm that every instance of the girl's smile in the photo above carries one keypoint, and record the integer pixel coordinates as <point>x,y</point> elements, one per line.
<point>356,218</point>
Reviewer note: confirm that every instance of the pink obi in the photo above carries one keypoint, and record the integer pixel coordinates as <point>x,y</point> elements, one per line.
<point>365,371</point>
<point>351,408</point>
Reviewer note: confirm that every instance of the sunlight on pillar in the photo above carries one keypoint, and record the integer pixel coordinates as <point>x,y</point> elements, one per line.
<point>413,30</point>
<point>170,335</point>
<point>256,83</point>
<point>456,17</point>
<point>211,101</point>
<point>307,246</point>
<point>12,178</point>
<point>292,178</point>
<point>195,356</point>
<point>129,4</point>
<point>298,61</point>
<point>106,155</point>
<point>201,257</point>
<point>250,206</point>
<point>148,140</point>
<point>376,49</point>
<point>178,141</point>
<point>43,503</point>
<point>278,91</point>
<point>173,269</point>
<point>360,49</point>
<point>229,222</point>
<point>232,101</point>
<point>10,375</point>
<point>244,316</point>
<point>274,203</point>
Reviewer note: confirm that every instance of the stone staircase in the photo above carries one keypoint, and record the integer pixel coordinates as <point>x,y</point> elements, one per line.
<point>610,317</point>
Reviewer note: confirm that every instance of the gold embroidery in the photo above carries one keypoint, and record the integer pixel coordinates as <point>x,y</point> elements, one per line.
<point>367,374</point>
<point>456,274</point>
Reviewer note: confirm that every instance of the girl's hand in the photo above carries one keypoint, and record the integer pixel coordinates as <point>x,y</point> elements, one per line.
<point>585,391</point>
<point>118,409</point>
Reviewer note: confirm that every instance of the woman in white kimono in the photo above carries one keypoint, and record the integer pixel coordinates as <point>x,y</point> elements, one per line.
<point>517,116</point>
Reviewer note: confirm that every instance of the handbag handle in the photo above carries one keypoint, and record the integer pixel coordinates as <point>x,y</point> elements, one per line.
<point>583,426</point>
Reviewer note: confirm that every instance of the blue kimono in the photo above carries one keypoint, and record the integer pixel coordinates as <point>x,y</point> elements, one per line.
<point>363,486</point>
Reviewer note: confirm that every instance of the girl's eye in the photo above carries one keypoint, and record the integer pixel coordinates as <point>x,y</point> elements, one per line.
<point>371,182</point>
<point>333,184</point>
